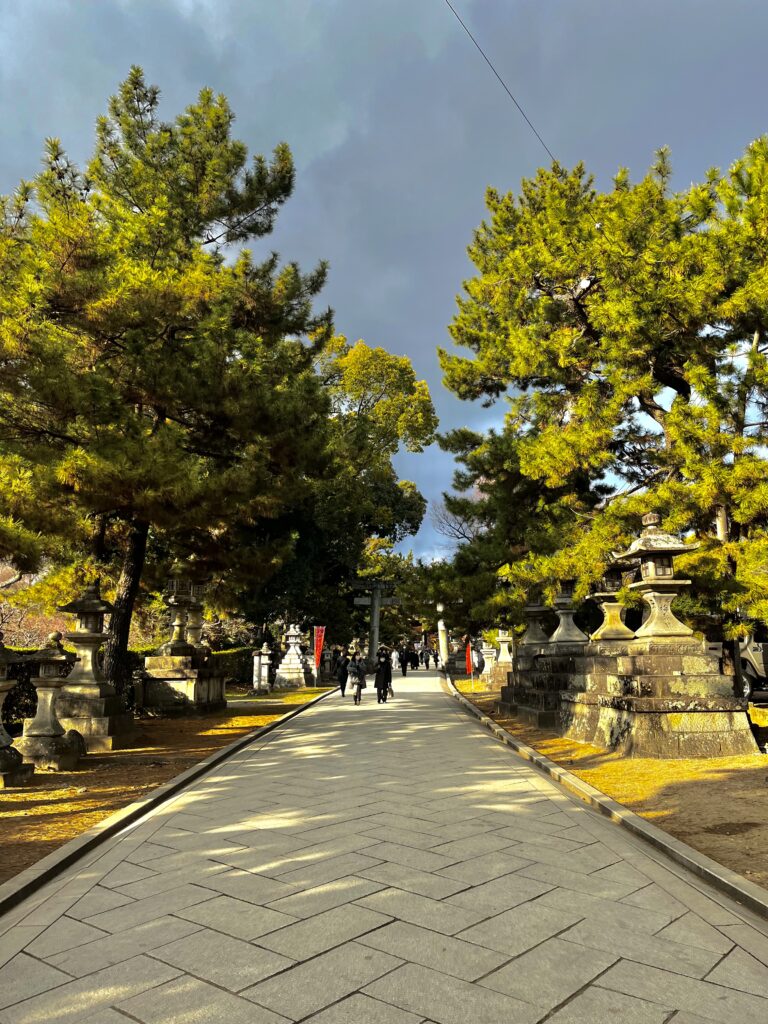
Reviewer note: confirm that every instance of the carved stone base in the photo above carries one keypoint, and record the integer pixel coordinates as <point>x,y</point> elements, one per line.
<point>58,753</point>
<point>177,685</point>
<point>658,728</point>
<point>665,698</point>
<point>102,721</point>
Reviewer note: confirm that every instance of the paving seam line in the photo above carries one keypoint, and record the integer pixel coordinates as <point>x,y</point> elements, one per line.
<point>28,881</point>
<point>721,878</point>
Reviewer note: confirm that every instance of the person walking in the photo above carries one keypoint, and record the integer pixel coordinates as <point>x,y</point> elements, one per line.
<point>342,670</point>
<point>383,680</point>
<point>402,657</point>
<point>357,672</point>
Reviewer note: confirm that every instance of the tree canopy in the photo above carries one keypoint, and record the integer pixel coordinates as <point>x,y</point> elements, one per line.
<point>627,330</point>
<point>166,393</point>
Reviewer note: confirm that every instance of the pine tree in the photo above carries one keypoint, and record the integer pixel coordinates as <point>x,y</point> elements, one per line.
<point>157,388</point>
<point>628,330</point>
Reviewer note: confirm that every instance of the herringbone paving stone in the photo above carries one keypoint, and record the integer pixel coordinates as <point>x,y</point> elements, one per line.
<point>379,865</point>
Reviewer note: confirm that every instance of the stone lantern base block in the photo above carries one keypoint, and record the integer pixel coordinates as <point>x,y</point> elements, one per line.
<point>658,729</point>
<point>287,680</point>
<point>180,685</point>
<point>57,753</point>
<point>14,773</point>
<point>507,705</point>
<point>542,675</point>
<point>103,722</point>
<point>663,698</point>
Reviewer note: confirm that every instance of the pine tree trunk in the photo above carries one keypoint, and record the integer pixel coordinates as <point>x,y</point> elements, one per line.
<point>117,668</point>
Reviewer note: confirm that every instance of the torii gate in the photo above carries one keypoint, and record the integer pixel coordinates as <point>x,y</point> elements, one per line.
<point>379,589</point>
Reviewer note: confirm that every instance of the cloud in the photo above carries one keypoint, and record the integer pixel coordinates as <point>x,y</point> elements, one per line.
<point>397,124</point>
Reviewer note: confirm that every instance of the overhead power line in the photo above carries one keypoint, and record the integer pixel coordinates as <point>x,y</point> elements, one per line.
<point>504,85</point>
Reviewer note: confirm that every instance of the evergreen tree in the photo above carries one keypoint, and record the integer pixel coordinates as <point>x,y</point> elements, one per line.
<point>152,391</point>
<point>628,329</point>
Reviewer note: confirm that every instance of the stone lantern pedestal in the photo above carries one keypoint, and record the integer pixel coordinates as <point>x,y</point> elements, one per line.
<point>662,693</point>
<point>14,773</point>
<point>45,742</point>
<point>546,668</point>
<point>88,703</point>
<point>181,678</point>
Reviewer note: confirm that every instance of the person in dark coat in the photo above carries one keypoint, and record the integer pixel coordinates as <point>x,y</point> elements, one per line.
<point>402,657</point>
<point>357,672</point>
<point>383,675</point>
<point>342,671</point>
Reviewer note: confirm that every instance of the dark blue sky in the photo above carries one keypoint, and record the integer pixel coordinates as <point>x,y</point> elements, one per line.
<point>397,125</point>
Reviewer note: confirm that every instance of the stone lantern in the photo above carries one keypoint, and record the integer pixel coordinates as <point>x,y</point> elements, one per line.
<point>612,627</point>
<point>442,635</point>
<point>86,677</point>
<point>194,624</point>
<point>488,651</point>
<point>45,742</point>
<point>504,639</point>
<point>178,598</point>
<point>567,631</point>
<point>292,670</point>
<point>88,703</point>
<point>658,585</point>
<point>13,771</point>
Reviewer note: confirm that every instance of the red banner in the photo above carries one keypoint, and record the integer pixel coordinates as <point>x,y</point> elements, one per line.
<point>470,663</point>
<point>319,643</point>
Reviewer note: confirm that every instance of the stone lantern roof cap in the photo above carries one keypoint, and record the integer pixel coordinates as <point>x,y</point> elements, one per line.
<point>89,603</point>
<point>654,541</point>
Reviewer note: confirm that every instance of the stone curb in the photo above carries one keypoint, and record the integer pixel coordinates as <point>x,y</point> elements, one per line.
<point>729,882</point>
<point>28,881</point>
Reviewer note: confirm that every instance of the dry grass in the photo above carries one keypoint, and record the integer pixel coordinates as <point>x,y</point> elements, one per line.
<point>61,805</point>
<point>718,806</point>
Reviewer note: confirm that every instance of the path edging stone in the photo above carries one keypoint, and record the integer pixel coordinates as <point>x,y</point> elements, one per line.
<point>28,881</point>
<point>729,882</point>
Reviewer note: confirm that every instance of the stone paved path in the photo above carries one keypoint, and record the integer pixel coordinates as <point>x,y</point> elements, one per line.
<point>379,865</point>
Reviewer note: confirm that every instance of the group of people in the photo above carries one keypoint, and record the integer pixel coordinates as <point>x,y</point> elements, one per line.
<point>409,657</point>
<point>351,671</point>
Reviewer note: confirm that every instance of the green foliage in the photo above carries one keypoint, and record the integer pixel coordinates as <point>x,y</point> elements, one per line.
<point>357,504</point>
<point>628,332</point>
<point>149,387</point>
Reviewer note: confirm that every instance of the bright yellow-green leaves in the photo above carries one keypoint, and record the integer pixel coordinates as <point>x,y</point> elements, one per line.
<point>630,330</point>
<point>378,397</point>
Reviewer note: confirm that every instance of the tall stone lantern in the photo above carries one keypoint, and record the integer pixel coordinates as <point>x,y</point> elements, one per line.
<point>88,703</point>
<point>658,585</point>
<point>178,598</point>
<point>86,678</point>
<point>13,771</point>
<point>613,626</point>
<point>292,672</point>
<point>442,636</point>
<point>46,743</point>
